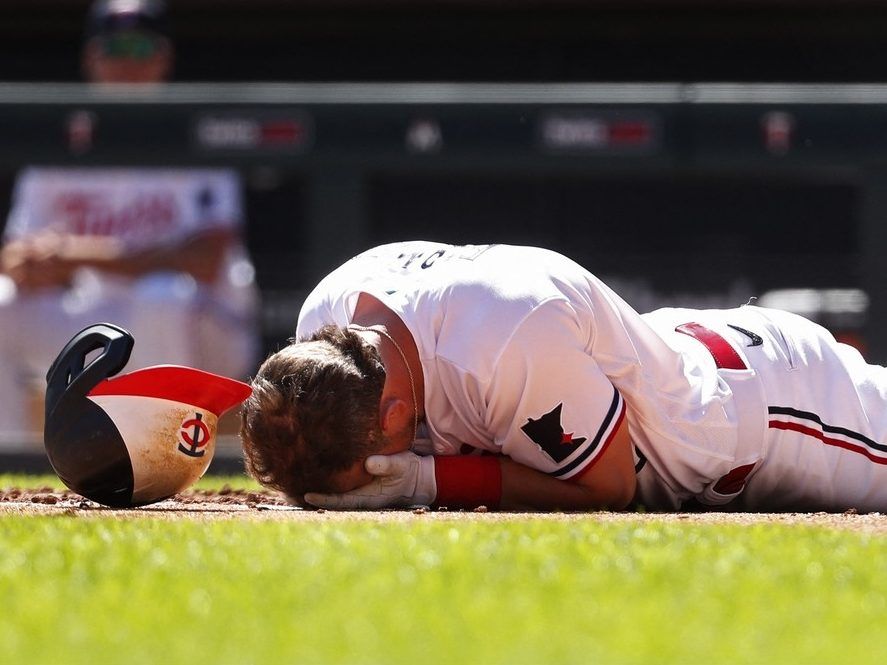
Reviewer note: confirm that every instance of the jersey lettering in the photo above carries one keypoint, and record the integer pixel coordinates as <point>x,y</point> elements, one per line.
<point>451,253</point>
<point>427,263</point>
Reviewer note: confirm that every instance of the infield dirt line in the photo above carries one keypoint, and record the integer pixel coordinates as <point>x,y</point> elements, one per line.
<point>269,507</point>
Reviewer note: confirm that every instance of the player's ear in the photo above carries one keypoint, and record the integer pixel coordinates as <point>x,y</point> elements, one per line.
<point>392,412</point>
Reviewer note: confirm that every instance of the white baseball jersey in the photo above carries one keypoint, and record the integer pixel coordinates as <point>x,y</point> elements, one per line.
<point>144,208</point>
<point>525,353</point>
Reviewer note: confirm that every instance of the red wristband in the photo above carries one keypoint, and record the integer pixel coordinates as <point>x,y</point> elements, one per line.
<point>468,481</point>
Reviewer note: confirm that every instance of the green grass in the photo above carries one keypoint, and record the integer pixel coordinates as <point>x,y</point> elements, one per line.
<point>8,480</point>
<point>136,591</point>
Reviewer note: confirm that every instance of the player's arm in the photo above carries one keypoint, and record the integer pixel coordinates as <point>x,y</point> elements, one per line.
<point>557,415</point>
<point>50,259</point>
<point>609,484</point>
<point>200,255</point>
<point>501,482</point>
<point>496,482</point>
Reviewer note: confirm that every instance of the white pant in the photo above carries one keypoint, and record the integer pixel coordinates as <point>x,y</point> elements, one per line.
<point>826,442</point>
<point>171,317</point>
<point>813,414</point>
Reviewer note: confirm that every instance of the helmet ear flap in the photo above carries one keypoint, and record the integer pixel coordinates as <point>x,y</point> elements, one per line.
<point>70,378</point>
<point>82,443</point>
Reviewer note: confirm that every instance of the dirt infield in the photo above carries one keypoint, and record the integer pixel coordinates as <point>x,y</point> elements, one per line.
<point>239,504</point>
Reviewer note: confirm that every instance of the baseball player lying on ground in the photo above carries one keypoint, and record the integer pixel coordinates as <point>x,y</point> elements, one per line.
<point>418,357</point>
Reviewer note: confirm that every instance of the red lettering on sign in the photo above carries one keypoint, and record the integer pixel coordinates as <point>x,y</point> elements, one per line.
<point>83,213</point>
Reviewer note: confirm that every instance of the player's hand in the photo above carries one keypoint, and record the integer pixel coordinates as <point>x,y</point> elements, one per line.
<point>38,262</point>
<point>403,479</point>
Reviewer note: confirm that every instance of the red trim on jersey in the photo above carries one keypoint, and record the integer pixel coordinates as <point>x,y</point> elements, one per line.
<point>721,350</point>
<point>191,386</point>
<point>468,481</point>
<point>604,447</point>
<point>817,434</point>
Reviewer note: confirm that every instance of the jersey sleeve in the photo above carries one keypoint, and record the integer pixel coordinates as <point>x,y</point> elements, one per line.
<point>550,405</point>
<point>310,321</point>
<point>316,312</point>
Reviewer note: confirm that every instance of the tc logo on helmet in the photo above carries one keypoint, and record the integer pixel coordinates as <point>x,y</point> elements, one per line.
<point>193,436</point>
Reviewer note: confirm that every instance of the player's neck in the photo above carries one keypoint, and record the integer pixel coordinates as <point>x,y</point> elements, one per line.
<point>371,311</point>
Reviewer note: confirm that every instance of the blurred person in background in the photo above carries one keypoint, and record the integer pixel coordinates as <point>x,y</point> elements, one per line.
<point>155,250</point>
<point>127,41</point>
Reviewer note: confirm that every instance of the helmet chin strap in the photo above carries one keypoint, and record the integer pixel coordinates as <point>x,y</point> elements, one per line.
<point>384,333</point>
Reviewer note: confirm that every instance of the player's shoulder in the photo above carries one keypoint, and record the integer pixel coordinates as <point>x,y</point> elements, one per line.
<point>474,336</point>
<point>403,252</point>
<point>504,275</point>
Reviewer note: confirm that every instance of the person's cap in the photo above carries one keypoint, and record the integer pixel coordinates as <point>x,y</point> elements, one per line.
<point>112,16</point>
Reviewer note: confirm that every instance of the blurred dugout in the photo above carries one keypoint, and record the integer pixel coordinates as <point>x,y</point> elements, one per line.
<point>156,250</point>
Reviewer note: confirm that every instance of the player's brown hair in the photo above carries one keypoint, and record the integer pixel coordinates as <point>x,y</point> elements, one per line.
<point>314,412</point>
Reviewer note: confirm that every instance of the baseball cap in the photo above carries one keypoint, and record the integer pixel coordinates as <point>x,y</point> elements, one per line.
<point>107,17</point>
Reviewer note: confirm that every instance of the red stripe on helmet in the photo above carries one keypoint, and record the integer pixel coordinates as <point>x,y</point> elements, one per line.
<point>187,385</point>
